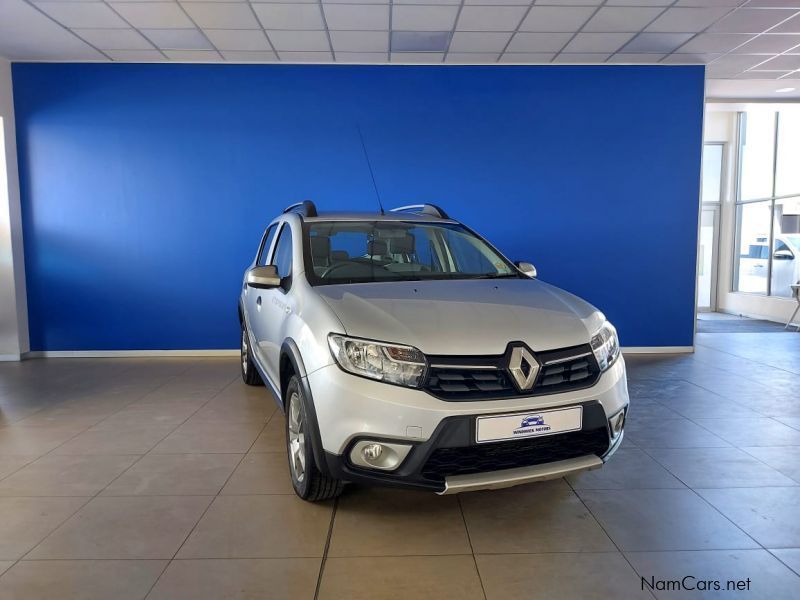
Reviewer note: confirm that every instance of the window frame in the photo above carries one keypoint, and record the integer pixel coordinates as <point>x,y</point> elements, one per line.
<point>264,248</point>
<point>284,280</point>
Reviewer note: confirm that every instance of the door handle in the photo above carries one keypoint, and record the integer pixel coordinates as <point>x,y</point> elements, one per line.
<point>258,303</point>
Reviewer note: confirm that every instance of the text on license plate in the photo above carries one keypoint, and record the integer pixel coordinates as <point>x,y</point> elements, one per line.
<point>528,424</point>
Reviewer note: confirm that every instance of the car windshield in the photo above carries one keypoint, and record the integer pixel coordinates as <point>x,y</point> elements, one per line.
<point>794,239</point>
<point>367,251</point>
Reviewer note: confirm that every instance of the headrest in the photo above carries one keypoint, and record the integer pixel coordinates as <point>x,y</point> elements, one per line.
<point>376,248</point>
<point>320,246</point>
<point>403,245</point>
<point>339,255</point>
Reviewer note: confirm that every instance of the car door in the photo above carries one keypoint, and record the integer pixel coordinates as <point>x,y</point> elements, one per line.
<point>251,294</point>
<point>272,306</point>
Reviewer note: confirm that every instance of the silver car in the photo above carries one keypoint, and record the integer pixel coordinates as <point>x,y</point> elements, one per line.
<point>405,350</point>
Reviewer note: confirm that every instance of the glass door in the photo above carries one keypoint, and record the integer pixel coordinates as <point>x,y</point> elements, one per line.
<point>710,198</point>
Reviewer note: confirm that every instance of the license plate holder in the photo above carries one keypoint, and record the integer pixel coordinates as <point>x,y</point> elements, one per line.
<point>522,425</point>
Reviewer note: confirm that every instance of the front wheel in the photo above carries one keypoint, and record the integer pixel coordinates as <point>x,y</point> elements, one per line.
<point>249,373</point>
<point>307,480</point>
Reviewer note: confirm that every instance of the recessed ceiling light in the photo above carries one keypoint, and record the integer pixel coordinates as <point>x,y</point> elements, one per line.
<point>785,90</point>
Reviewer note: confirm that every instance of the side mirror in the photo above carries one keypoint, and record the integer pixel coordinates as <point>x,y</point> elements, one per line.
<point>783,255</point>
<point>263,277</point>
<point>527,269</point>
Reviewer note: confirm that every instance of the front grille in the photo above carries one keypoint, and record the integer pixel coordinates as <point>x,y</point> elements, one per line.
<point>483,458</point>
<point>465,378</point>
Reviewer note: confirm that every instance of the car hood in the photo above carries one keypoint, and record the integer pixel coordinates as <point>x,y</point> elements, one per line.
<point>479,316</point>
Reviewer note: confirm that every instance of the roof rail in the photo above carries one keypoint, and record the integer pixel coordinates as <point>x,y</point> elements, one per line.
<point>305,208</point>
<point>422,209</point>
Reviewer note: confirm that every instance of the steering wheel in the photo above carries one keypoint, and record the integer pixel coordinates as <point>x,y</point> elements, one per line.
<point>366,270</point>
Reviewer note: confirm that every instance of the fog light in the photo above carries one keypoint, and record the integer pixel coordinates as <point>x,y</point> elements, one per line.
<point>372,452</point>
<point>616,423</point>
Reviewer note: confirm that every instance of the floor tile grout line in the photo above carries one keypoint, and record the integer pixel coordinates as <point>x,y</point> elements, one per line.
<point>325,550</point>
<point>471,547</point>
<point>783,562</point>
<point>603,529</point>
<point>210,504</point>
<point>744,358</point>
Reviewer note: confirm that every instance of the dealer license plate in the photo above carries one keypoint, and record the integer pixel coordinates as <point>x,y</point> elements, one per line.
<point>528,424</point>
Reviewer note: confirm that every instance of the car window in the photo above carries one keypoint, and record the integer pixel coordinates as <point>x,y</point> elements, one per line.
<point>282,258</point>
<point>266,243</point>
<point>364,251</point>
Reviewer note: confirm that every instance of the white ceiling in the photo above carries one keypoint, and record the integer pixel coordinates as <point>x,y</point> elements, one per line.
<point>753,43</point>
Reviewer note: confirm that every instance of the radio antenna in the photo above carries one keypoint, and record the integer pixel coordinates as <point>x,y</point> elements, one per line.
<point>371,174</point>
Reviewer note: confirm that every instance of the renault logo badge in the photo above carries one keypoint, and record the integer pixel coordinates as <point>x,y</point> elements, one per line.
<point>523,368</point>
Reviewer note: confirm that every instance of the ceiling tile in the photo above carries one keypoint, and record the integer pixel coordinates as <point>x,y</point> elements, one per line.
<point>598,42</point>
<point>193,55</point>
<point>638,2</point>
<point>769,43</point>
<point>709,3</point>
<point>306,57</point>
<point>736,63</point>
<point>235,40</point>
<point>785,62</point>
<point>790,26</point>
<point>631,58</point>
<point>82,14</point>
<point>151,15</point>
<point>578,58</point>
<point>357,16</point>
<point>687,19</point>
<point>417,57</point>
<point>619,18</point>
<point>657,42</point>
<point>299,41</point>
<point>422,2</point>
<point>714,42</point>
<point>360,41</point>
<point>756,74</point>
<point>362,57</point>
<point>136,55</point>
<point>753,20</point>
<point>472,58</point>
<point>249,56</point>
<point>538,42</point>
<point>178,39</point>
<point>115,39</point>
<point>774,4</point>
<point>490,18</point>
<point>531,58</point>
<point>218,15</point>
<point>423,18</point>
<point>503,2</point>
<point>564,2</point>
<point>420,41</point>
<point>290,16</point>
<point>690,59</point>
<point>27,34</point>
<point>556,18</point>
<point>466,41</point>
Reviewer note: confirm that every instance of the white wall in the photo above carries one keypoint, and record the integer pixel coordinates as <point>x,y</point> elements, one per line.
<point>720,126</point>
<point>13,305</point>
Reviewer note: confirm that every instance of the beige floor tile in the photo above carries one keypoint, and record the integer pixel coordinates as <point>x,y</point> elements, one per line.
<point>194,437</point>
<point>80,579</point>
<point>789,556</point>
<point>5,565</point>
<point>123,528</point>
<point>391,522</point>
<point>274,526</point>
<point>25,522</point>
<point>769,578</point>
<point>629,468</point>
<point>9,464</point>
<point>165,413</point>
<point>132,439</point>
<point>543,517</point>
<point>249,405</point>
<point>273,438</point>
<point>238,579</point>
<point>760,432</point>
<point>669,519</point>
<point>401,578</point>
<point>261,473</point>
<point>175,474</point>
<point>581,576</point>
<point>55,475</point>
<point>34,441</point>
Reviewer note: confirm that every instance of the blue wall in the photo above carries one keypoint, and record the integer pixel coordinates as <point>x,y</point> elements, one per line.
<point>145,188</point>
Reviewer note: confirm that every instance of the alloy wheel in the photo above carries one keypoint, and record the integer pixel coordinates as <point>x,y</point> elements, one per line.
<point>297,439</point>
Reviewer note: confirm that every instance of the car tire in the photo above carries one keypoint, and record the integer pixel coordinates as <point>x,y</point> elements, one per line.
<point>250,374</point>
<point>307,480</point>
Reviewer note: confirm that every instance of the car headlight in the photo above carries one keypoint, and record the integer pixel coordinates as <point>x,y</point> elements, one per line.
<point>605,346</point>
<point>392,363</point>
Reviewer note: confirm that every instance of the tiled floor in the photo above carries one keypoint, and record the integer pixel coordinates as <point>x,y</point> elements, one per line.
<point>166,478</point>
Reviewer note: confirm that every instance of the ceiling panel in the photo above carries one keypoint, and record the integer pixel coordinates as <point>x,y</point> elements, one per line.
<point>236,40</point>
<point>218,15</point>
<point>556,18</point>
<point>153,15</point>
<point>756,20</point>
<point>424,18</point>
<point>538,42</point>
<point>490,18</point>
<point>289,16</point>
<point>82,14</point>
<point>178,39</point>
<point>299,41</point>
<point>657,42</point>
<point>357,17</point>
<point>115,39</point>
<point>360,41</point>
<point>682,20</point>
<point>470,41</point>
<point>619,18</point>
<point>598,42</point>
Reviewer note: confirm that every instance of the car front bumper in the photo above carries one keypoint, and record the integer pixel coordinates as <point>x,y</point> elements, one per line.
<point>441,434</point>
